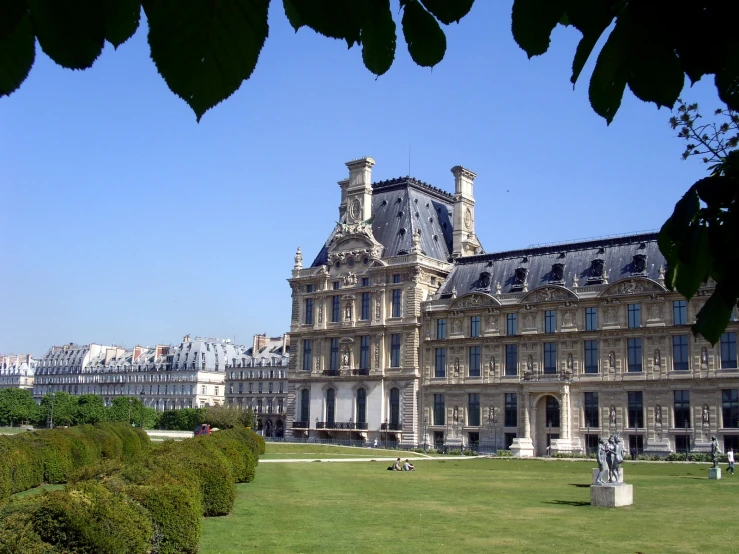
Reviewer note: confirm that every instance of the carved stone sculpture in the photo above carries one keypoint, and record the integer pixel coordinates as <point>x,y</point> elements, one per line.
<point>298,259</point>
<point>602,458</point>
<point>706,415</point>
<point>658,414</point>
<point>714,451</point>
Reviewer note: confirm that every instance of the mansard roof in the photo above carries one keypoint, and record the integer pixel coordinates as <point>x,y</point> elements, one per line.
<point>401,207</point>
<point>592,262</point>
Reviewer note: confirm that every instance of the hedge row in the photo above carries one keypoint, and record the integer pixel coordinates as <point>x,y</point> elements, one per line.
<point>50,456</point>
<point>153,503</point>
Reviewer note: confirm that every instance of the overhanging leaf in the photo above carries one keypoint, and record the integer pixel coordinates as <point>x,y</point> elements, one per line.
<point>17,46</point>
<point>727,78</point>
<point>532,22</point>
<point>340,19</point>
<point>426,41</point>
<point>713,317</point>
<point>448,11</point>
<point>655,73</point>
<point>121,20</point>
<point>204,49</point>
<point>378,36</point>
<point>611,71</point>
<point>695,262</point>
<point>591,19</point>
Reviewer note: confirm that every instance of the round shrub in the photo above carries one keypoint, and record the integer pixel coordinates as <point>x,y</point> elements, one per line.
<point>239,453</point>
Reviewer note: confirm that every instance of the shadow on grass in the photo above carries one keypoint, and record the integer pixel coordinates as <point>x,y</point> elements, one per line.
<point>568,502</point>
<point>580,486</point>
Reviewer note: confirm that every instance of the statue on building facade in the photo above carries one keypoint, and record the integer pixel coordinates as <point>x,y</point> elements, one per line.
<point>298,259</point>
<point>612,415</point>
<point>658,414</point>
<point>345,358</point>
<point>704,356</point>
<point>706,415</point>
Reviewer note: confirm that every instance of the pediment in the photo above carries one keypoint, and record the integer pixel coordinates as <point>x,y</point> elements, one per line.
<point>474,300</point>
<point>550,293</point>
<point>633,285</point>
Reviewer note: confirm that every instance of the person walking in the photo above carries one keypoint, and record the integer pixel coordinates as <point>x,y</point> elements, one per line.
<point>730,456</point>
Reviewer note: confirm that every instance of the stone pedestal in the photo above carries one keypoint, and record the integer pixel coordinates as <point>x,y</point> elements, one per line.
<point>714,473</point>
<point>620,475</point>
<point>611,496</point>
<point>522,448</point>
<point>562,446</point>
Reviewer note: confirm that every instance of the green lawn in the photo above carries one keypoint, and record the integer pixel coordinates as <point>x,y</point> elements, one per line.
<point>38,490</point>
<point>282,451</point>
<point>477,505</point>
<point>12,430</point>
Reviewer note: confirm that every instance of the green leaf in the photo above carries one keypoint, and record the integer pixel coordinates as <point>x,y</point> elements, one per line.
<point>426,41</point>
<point>204,49</point>
<point>695,263</point>
<point>717,190</point>
<point>713,317</point>
<point>17,46</point>
<point>611,71</point>
<point>727,79</point>
<point>340,19</point>
<point>591,19</point>
<point>121,20</point>
<point>533,22</point>
<point>448,11</point>
<point>70,32</point>
<point>378,36</point>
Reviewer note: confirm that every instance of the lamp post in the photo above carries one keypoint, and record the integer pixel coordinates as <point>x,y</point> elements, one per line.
<point>687,439</point>
<point>549,438</point>
<point>51,422</point>
<point>141,413</point>
<point>587,437</point>
<point>425,431</point>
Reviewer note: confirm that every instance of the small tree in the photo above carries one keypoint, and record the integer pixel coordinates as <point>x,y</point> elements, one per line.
<point>221,417</point>
<point>64,408</point>
<point>90,409</point>
<point>247,417</point>
<point>16,406</point>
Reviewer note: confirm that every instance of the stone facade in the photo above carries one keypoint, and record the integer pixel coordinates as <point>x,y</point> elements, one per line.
<point>17,371</point>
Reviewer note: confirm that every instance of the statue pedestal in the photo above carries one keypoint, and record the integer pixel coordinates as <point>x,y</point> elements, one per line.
<point>714,473</point>
<point>522,448</point>
<point>611,496</point>
<point>620,474</point>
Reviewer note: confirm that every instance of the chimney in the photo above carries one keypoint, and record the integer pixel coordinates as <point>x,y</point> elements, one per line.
<point>464,241</point>
<point>186,338</point>
<point>260,340</point>
<point>136,353</point>
<point>285,343</point>
<point>357,191</point>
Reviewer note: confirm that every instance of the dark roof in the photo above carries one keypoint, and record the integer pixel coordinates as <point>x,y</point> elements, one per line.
<point>402,206</point>
<point>618,256</point>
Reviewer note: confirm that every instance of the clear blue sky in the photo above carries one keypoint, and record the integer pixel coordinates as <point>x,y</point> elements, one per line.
<point>125,221</point>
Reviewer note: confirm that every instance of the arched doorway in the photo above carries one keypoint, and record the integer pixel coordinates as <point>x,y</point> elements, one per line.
<point>268,428</point>
<point>547,421</point>
<point>279,429</point>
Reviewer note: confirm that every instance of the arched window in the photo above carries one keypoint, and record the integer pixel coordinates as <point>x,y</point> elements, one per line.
<point>361,406</point>
<point>330,407</point>
<point>395,406</point>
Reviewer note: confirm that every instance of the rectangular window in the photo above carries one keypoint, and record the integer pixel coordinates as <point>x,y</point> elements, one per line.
<point>511,359</point>
<point>364,347</point>
<point>365,306</point>
<point>591,409</point>
<point>550,321</point>
<point>550,357</point>
<point>251,387</point>
<point>307,354</point>
<point>475,326</point>
<point>365,281</point>
<point>473,410</point>
<point>396,278</point>
<point>591,356</point>
<point>394,350</point>
<point>282,387</point>
<point>682,408</point>
<point>591,319</point>
<point>440,363</point>
<point>335,308</point>
<point>309,311</point>
<point>334,359</point>
<point>439,409</point>
<point>474,361</point>
<point>728,351</point>
<point>679,312</point>
<point>396,303</point>
<point>441,328</point>
<point>636,409</point>
<point>634,316</point>
<point>308,288</point>
<point>634,348</point>
<point>260,385</point>
<point>680,353</point>
<point>730,408</point>
<point>511,410</point>
<point>511,324</point>
<point>337,285</point>
<point>270,387</point>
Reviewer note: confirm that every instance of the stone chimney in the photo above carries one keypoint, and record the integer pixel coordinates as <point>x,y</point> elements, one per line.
<point>285,343</point>
<point>136,353</point>
<point>464,241</point>
<point>356,192</point>
<point>260,341</point>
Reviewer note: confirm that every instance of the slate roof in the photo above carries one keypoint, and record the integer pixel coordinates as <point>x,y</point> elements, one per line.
<point>400,207</point>
<point>617,255</point>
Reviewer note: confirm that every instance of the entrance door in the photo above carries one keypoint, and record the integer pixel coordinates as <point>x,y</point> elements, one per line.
<point>635,442</point>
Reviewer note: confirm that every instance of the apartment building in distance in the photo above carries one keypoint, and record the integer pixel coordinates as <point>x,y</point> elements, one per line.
<point>17,371</point>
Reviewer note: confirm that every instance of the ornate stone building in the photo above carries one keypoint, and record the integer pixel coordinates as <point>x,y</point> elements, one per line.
<point>17,371</point>
<point>402,326</point>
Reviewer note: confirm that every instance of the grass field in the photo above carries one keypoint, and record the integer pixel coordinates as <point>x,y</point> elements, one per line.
<point>281,451</point>
<point>12,430</point>
<point>478,505</point>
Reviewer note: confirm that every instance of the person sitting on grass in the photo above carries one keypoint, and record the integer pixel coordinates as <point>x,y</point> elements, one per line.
<point>395,466</point>
<point>407,466</point>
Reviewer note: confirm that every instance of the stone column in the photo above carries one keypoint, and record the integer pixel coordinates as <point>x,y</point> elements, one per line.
<point>565,412</point>
<point>526,416</point>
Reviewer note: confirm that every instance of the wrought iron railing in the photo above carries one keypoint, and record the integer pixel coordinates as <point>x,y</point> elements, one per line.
<point>360,372</point>
<point>300,424</point>
<point>332,372</point>
<point>341,425</point>
<point>391,427</point>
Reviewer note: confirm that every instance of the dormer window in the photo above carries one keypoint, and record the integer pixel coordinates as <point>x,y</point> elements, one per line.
<point>557,274</point>
<point>484,280</point>
<point>519,278</point>
<point>639,264</point>
<point>596,271</point>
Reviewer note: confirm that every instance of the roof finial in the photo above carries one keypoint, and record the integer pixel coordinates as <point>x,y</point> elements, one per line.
<point>298,259</point>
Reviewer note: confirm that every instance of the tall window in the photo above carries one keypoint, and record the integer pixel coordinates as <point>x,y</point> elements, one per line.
<point>395,350</point>
<point>365,306</point>
<point>682,408</point>
<point>305,406</point>
<point>441,328</point>
<point>728,351</point>
<point>636,409</point>
<point>396,278</point>
<point>334,359</point>
<point>440,363</point>
<point>361,406</point>
<point>680,312</point>
<point>591,319</point>
<point>308,288</point>
<point>307,354</point>
<point>337,285</point>
<point>511,359</point>
<point>335,308</point>
<point>473,410</point>
<point>365,281</point>
<point>475,326</point>
<point>730,408</point>
<point>396,303</point>
<point>591,409</point>
<point>511,410</point>
<point>330,407</point>
<point>680,353</point>
<point>309,311</point>
<point>474,361</point>
<point>550,357</point>
<point>364,346</point>
<point>552,411</point>
<point>591,356</point>
<point>634,350</point>
<point>395,406</point>
<point>550,321</point>
<point>634,316</point>
<point>439,410</point>
<point>511,324</point>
